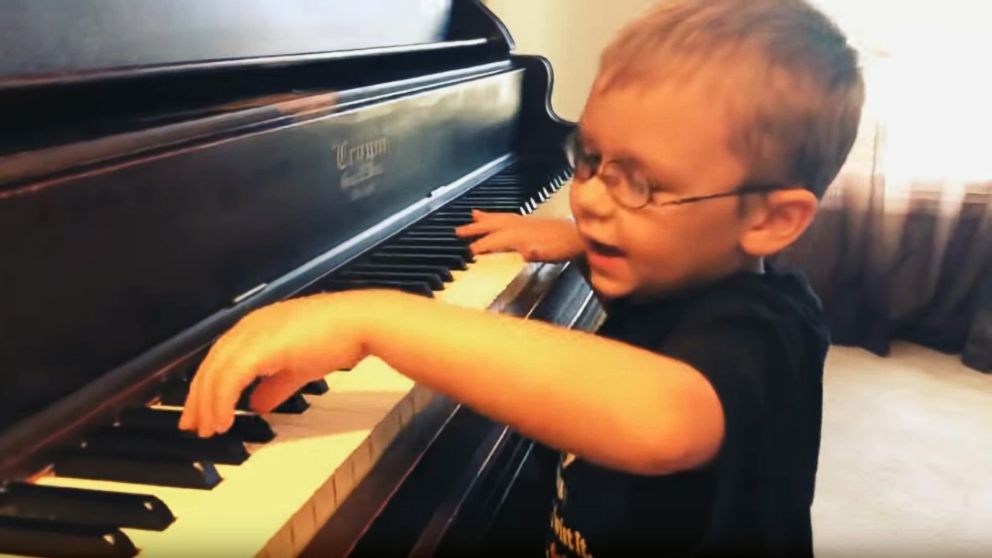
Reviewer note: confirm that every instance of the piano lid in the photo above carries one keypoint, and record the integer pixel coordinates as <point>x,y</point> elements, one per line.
<point>44,41</point>
<point>76,71</point>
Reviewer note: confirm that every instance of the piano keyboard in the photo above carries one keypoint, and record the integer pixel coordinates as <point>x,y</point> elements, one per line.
<point>271,499</point>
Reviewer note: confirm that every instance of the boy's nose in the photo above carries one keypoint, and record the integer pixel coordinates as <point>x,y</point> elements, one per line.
<point>591,199</point>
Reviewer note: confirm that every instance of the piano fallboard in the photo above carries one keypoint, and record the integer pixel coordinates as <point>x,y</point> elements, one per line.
<point>302,185</point>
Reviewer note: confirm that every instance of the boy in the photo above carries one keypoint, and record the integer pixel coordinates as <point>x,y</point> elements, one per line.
<point>690,424</point>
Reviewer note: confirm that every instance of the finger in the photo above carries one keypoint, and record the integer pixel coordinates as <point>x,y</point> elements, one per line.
<point>190,419</point>
<point>198,402</point>
<point>220,395</point>
<point>501,218</point>
<point>499,241</point>
<point>273,390</point>
<point>186,421</point>
<point>475,228</point>
<point>482,223</point>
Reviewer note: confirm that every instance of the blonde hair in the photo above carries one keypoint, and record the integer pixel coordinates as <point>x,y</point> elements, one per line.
<point>791,83</point>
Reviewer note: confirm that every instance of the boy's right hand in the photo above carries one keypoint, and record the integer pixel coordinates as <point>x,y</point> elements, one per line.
<point>535,238</point>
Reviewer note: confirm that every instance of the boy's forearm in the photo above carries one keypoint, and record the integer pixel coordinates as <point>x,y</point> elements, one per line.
<point>609,402</point>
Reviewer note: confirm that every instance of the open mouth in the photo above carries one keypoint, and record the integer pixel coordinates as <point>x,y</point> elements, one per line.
<point>605,249</point>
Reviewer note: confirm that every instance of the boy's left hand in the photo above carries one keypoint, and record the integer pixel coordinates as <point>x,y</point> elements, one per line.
<point>286,344</point>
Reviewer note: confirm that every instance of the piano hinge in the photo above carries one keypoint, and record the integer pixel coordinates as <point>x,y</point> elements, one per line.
<point>249,293</point>
<point>440,190</point>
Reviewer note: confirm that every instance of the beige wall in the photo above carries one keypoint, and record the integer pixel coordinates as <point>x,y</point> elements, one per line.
<point>571,34</point>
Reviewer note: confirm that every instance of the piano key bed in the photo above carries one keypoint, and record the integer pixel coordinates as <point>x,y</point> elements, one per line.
<point>142,487</point>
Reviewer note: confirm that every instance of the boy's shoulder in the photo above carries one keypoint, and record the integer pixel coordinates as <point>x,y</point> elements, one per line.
<point>778,308</point>
<point>772,295</point>
<point>771,300</point>
<point>745,330</point>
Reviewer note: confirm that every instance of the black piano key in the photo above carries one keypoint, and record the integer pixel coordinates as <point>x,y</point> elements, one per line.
<point>506,189</point>
<point>61,540</point>
<point>441,271</point>
<point>442,233</point>
<point>450,213</point>
<point>507,177</point>
<point>415,246</point>
<point>503,209</point>
<point>462,244</point>
<point>484,204</point>
<point>448,221</point>
<point>316,387</point>
<point>433,281</point>
<point>435,237</point>
<point>250,428</point>
<point>438,241</point>
<point>478,202</point>
<point>181,474</point>
<point>490,207</point>
<point>495,199</point>
<point>492,197</point>
<point>467,210</point>
<point>295,405</point>
<point>172,445</point>
<point>451,262</point>
<point>83,507</point>
<point>143,418</point>
<point>413,287</point>
<point>433,229</point>
<point>444,229</point>
<point>459,251</point>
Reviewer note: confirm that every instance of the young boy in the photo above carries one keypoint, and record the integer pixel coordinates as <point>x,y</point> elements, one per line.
<point>690,424</point>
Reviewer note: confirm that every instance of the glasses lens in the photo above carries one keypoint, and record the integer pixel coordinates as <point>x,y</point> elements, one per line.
<point>628,188</point>
<point>571,150</point>
<point>583,163</point>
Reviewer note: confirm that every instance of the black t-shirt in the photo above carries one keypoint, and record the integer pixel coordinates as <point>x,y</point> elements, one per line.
<point>760,340</point>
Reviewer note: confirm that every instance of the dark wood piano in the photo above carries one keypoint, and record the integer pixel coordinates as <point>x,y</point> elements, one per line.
<point>165,168</point>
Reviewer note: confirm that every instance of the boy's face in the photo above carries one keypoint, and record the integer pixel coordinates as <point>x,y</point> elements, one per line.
<point>677,137</point>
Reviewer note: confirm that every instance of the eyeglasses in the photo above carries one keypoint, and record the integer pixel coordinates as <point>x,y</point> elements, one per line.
<point>629,187</point>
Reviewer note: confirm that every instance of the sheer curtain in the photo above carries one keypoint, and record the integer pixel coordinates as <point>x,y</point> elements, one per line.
<point>903,245</point>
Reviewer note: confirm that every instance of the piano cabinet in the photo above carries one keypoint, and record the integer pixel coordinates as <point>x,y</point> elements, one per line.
<point>168,167</point>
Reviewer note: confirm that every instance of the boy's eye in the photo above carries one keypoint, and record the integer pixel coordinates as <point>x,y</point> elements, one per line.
<point>642,184</point>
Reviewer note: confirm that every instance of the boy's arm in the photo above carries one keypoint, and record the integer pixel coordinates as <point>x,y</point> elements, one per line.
<point>611,403</point>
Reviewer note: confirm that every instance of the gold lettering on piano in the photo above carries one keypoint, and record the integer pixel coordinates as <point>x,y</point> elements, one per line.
<point>570,538</point>
<point>360,164</point>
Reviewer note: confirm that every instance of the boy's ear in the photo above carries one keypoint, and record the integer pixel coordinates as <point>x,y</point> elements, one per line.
<point>777,222</point>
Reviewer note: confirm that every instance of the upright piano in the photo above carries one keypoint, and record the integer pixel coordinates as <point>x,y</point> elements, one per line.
<point>166,168</point>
